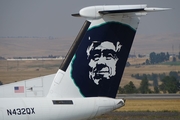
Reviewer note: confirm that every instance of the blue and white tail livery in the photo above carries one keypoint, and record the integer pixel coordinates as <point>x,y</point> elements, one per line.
<point>96,61</point>
<point>86,83</point>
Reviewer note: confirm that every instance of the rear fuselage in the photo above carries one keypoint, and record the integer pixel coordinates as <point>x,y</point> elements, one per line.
<point>56,109</point>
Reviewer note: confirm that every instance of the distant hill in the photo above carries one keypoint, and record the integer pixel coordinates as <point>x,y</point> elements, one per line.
<point>156,43</point>
<point>24,47</point>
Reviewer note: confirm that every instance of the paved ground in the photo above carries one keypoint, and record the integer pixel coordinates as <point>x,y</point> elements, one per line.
<point>140,116</point>
<point>149,96</point>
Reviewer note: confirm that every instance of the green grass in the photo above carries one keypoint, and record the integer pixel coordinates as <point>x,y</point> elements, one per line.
<point>177,63</point>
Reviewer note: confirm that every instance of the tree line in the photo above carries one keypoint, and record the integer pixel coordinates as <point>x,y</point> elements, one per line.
<point>169,83</point>
<point>155,58</point>
<point>155,77</point>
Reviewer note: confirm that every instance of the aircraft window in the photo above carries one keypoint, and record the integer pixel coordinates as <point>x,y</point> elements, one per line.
<point>64,102</point>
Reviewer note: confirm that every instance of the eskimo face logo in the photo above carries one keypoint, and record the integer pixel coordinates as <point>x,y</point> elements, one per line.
<point>102,57</point>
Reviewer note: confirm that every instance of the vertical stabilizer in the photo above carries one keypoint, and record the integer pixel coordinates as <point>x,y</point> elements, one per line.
<point>96,62</point>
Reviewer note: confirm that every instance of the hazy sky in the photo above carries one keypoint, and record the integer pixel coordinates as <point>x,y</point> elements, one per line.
<point>53,17</point>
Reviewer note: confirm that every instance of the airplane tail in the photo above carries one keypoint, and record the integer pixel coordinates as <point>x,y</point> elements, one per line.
<point>95,63</point>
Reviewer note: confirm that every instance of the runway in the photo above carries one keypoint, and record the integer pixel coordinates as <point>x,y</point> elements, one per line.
<point>139,116</point>
<point>148,96</point>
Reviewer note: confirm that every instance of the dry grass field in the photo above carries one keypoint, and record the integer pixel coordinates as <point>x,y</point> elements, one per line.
<point>144,69</point>
<point>149,69</point>
<point>157,109</point>
<point>11,71</point>
<point>153,105</point>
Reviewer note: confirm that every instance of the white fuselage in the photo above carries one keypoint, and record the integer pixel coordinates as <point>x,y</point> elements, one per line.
<point>56,109</point>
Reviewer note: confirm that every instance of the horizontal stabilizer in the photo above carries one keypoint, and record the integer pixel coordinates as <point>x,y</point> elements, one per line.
<point>155,9</point>
<point>120,11</point>
<point>133,10</point>
<point>96,12</point>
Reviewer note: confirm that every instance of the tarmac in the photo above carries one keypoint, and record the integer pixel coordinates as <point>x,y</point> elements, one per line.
<point>139,116</point>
